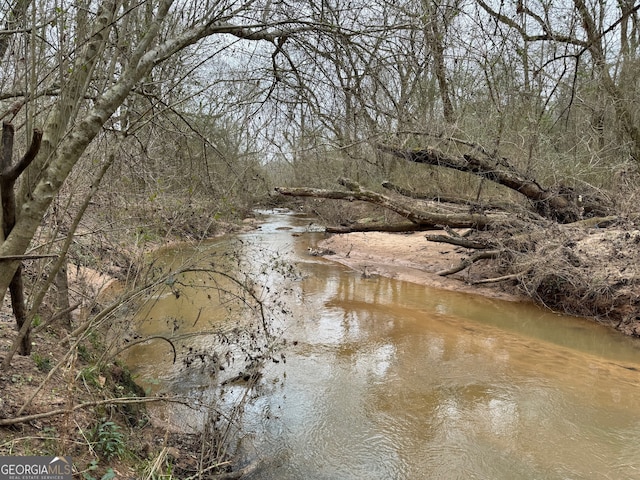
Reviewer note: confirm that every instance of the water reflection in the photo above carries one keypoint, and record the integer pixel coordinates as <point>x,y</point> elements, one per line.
<point>386,379</point>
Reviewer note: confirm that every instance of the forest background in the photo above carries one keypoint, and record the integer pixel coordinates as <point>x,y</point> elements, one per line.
<point>129,122</point>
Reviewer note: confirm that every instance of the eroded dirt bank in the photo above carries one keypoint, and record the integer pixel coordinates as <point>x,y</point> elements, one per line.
<point>591,275</point>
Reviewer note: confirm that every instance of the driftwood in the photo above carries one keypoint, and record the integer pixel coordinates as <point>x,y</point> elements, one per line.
<point>503,278</point>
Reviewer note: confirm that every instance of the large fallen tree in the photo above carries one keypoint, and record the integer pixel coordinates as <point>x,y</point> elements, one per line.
<point>558,202</point>
<point>570,250</point>
<point>418,214</point>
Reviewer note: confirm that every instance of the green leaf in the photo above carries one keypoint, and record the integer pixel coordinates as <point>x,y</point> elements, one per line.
<point>109,475</point>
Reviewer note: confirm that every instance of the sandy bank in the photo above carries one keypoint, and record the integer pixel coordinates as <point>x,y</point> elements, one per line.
<point>409,257</point>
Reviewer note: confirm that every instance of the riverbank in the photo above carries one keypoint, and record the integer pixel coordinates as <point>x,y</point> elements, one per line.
<point>589,275</point>
<point>410,257</point>
<point>83,375</point>
<point>109,433</point>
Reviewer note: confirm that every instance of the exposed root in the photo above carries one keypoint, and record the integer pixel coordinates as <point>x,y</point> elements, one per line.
<point>586,272</point>
<point>574,268</point>
<point>469,261</point>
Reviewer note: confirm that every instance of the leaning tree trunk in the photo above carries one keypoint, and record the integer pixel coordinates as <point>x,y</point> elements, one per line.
<point>559,203</point>
<point>416,215</point>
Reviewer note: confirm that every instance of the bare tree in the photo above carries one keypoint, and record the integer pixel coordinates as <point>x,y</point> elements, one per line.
<point>585,29</point>
<point>103,54</point>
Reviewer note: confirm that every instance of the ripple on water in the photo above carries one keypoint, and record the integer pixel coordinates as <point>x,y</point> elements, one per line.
<point>389,380</point>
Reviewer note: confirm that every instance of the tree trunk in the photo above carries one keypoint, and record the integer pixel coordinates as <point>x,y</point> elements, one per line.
<point>8,176</point>
<point>412,213</point>
<point>13,19</point>
<point>435,40</point>
<point>62,297</point>
<point>559,203</point>
<point>143,58</point>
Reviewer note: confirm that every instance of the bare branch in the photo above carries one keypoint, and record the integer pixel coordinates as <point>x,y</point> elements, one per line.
<point>467,262</point>
<point>12,174</point>
<point>10,258</point>
<point>459,241</point>
<point>548,35</point>
<point>82,406</point>
<point>504,278</point>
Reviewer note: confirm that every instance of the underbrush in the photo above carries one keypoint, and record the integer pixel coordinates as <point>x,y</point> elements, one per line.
<point>589,272</point>
<point>72,396</point>
<point>58,402</point>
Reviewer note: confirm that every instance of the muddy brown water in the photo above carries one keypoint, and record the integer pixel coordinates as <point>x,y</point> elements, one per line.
<point>391,380</point>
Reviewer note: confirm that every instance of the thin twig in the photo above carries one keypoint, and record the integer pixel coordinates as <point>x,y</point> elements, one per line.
<point>61,411</point>
<point>144,340</point>
<point>504,278</point>
<point>10,258</point>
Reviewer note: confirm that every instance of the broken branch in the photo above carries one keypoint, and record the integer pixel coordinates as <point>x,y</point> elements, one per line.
<point>469,261</point>
<point>415,215</point>
<point>459,241</point>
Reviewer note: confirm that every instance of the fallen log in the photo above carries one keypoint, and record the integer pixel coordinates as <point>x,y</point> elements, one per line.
<point>575,253</point>
<point>379,227</point>
<point>447,199</point>
<point>412,213</point>
<point>559,202</point>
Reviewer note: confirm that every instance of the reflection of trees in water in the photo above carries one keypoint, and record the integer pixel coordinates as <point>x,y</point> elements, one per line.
<point>218,308</point>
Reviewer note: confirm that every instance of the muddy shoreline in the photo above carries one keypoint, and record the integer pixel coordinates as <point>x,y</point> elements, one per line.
<point>410,257</point>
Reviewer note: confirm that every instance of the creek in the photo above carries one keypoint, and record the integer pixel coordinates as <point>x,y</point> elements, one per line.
<point>383,379</point>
